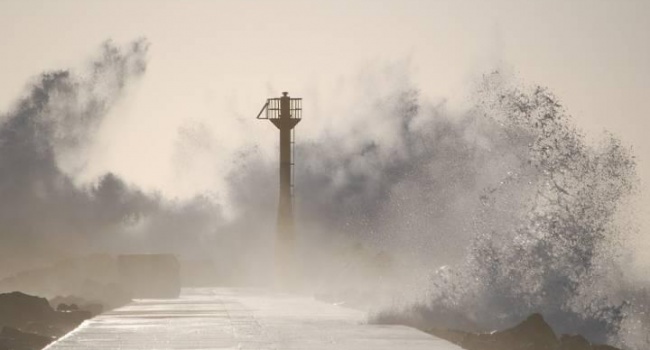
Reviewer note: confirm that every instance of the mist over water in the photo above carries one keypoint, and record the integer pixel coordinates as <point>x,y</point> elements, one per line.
<point>46,215</point>
<point>41,206</point>
<point>469,220</point>
<point>548,236</point>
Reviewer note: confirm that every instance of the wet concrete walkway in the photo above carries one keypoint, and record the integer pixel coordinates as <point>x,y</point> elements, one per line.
<point>241,319</point>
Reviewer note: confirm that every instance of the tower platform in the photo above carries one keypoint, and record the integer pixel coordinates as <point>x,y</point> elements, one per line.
<point>241,319</point>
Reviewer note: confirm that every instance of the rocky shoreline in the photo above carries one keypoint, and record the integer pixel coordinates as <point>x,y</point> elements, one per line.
<point>29,322</point>
<point>531,334</point>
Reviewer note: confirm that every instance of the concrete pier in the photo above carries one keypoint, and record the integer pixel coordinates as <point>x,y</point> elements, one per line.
<point>241,319</point>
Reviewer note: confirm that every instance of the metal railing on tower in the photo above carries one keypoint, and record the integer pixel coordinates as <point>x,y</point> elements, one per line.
<point>285,113</point>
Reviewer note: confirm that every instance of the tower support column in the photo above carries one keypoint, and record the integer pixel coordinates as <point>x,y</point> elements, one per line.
<point>285,241</point>
<point>285,114</point>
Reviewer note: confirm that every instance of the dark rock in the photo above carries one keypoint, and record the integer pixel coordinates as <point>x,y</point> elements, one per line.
<point>574,342</point>
<point>19,309</point>
<point>44,329</point>
<point>14,339</point>
<point>32,314</point>
<point>532,334</point>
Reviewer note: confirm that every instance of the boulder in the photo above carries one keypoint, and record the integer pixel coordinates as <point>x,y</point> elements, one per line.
<point>574,342</point>
<point>18,310</point>
<point>31,314</point>
<point>532,334</point>
<point>14,339</point>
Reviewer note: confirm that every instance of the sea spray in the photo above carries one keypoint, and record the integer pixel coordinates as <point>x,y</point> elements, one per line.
<point>508,196</point>
<point>47,215</point>
<point>546,237</point>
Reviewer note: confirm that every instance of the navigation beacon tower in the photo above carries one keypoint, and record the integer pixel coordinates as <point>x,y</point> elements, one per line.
<point>285,113</point>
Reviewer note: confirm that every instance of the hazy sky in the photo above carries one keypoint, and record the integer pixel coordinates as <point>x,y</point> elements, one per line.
<point>214,62</point>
